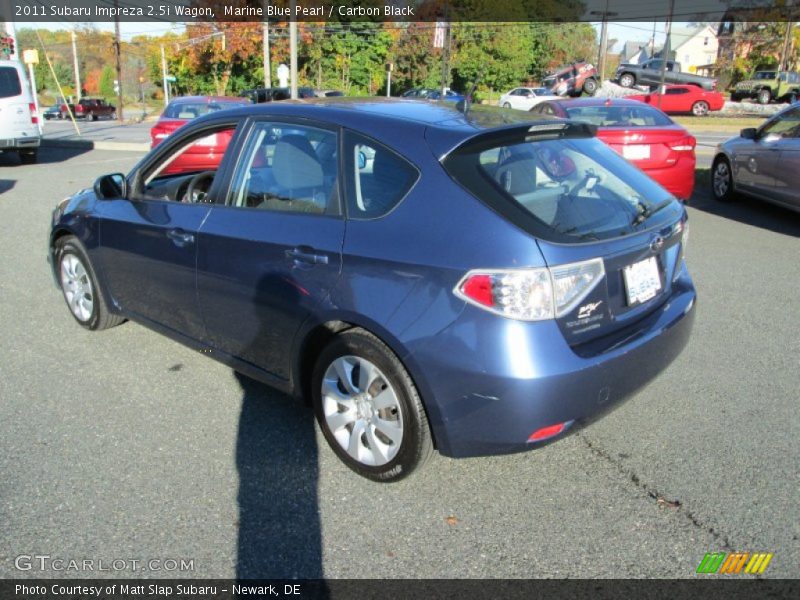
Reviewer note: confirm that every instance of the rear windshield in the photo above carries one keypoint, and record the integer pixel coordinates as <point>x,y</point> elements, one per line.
<point>567,190</point>
<point>619,116</point>
<point>9,82</point>
<point>189,110</point>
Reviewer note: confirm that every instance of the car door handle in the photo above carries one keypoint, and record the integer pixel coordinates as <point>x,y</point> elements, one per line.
<point>307,255</point>
<point>180,237</point>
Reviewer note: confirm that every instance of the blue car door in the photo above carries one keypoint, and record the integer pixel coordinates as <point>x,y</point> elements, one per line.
<point>148,244</point>
<point>272,252</point>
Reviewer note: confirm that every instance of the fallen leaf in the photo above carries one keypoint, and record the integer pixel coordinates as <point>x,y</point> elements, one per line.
<point>451,520</point>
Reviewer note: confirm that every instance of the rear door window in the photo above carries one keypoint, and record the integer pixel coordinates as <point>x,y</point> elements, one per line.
<point>378,179</point>
<point>10,85</point>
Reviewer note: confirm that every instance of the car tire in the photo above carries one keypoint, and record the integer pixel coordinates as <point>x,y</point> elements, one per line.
<point>506,105</point>
<point>764,97</point>
<point>29,157</point>
<point>80,288</point>
<point>792,97</point>
<point>113,116</point>
<point>90,117</point>
<point>590,87</point>
<point>722,180</point>
<point>368,408</point>
<point>700,108</point>
<point>627,80</point>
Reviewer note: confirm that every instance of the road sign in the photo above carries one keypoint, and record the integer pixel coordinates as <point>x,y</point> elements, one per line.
<point>30,57</point>
<point>171,78</point>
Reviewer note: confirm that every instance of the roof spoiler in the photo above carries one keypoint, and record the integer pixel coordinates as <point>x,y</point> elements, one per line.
<point>527,133</point>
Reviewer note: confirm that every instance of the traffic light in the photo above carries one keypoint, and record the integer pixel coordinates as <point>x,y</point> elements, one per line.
<point>6,46</point>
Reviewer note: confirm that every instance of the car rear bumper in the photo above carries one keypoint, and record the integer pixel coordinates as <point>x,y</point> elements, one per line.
<point>495,381</point>
<point>20,143</point>
<point>677,179</point>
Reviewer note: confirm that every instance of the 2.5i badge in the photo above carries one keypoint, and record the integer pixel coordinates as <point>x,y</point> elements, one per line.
<point>587,309</point>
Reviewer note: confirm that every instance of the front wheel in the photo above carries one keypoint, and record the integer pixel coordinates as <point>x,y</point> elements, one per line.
<point>368,408</point>
<point>700,108</point>
<point>722,180</point>
<point>627,80</point>
<point>79,286</point>
<point>764,96</point>
<point>29,157</point>
<point>506,105</point>
<point>113,116</point>
<point>590,87</point>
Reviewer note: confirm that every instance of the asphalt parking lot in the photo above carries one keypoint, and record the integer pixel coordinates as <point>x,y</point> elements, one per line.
<point>125,445</point>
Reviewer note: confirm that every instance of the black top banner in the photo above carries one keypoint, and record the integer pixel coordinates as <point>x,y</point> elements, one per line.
<point>194,11</point>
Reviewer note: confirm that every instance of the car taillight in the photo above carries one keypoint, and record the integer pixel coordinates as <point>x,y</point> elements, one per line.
<point>531,294</point>
<point>686,144</point>
<point>34,114</point>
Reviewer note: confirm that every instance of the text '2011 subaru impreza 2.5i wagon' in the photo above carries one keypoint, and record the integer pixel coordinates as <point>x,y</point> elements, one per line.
<point>476,282</point>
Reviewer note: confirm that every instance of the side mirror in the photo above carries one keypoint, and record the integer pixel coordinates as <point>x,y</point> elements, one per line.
<point>107,187</point>
<point>362,160</point>
<point>748,133</point>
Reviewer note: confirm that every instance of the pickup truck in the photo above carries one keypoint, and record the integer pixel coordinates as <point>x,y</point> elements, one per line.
<point>649,73</point>
<point>766,86</point>
<point>90,109</point>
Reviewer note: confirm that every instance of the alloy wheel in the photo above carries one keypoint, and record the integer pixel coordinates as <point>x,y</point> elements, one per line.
<point>77,287</point>
<point>362,410</point>
<point>722,179</point>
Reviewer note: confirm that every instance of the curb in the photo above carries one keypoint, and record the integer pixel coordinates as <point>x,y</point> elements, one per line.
<point>96,145</point>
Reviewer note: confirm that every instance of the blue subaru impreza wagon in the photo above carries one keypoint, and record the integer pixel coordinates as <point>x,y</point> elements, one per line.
<point>428,276</point>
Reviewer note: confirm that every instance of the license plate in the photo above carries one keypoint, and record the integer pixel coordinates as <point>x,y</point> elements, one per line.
<point>642,280</point>
<point>636,152</point>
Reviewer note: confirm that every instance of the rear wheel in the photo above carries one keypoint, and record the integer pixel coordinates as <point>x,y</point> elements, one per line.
<point>506,105</point>
<point>627,80</point>
<point>590,87</point>
<point>368,408</point>
<point>29,157</point>
<point>722,180</point>
<point>700,108</point>
<point>764,97</point>
<point>79,286</point>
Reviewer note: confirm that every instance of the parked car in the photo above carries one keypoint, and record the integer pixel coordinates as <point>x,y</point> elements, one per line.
<point>432,94</point>
<point>275,94</point>
<point>525,98</point>
<point>561,289</point>
<point>648,74</point>
<point>642,134</point>
<point>328,93</point>
<point>90,109</point>
<point>52,112</point>
<point>679,99</point>
<point>763,163</point>
<point>20,130</point>
<point>766,86</point>
<point>572,80</point>
<point>206,153</point>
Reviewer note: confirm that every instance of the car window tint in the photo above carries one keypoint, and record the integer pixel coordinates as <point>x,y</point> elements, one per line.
<point>290,168</point>
<point>619,116</point>
<point>786,126</point>
<point>378,179</point>
<point>676,91</point>
<point>9,82</point>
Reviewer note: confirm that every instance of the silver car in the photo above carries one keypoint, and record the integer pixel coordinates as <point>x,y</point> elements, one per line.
<point>763,162</point>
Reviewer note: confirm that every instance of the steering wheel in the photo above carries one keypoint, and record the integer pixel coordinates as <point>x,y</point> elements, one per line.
<point>198,187</point>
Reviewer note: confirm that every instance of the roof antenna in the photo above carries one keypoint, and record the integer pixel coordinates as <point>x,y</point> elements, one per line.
<point>466,104</point>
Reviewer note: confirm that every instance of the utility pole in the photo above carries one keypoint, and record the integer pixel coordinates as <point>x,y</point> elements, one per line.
<point>666,52</point>
<point>603,50</point>
<point>164,75</point>
<point>267,66</point>
<point>293,52</point>
<point>119,63</point>
<point>787,45</point>
<point>75,63</point>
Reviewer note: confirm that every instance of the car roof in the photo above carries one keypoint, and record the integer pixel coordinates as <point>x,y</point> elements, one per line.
<point>442,124</point>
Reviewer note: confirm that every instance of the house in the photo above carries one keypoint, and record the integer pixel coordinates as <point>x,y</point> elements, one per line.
<point>634,52</point>
<point>695,47</point>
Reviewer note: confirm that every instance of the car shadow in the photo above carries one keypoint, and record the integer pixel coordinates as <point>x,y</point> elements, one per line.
<point>7,185</point>
<point>745,209</point>
<point>47,155</point>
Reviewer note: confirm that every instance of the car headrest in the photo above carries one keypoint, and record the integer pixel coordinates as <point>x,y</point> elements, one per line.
<point>295,164</point>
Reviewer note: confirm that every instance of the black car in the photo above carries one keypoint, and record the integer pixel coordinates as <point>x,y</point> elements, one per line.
<point>275,94</point>
<point>52,112</point>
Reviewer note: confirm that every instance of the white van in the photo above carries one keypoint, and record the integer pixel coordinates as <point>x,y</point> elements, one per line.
<point>20,130</point>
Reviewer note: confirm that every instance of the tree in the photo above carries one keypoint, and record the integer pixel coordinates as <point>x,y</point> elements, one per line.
<point>107,82</point>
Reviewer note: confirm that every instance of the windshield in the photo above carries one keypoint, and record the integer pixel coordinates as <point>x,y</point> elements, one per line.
<point>619,116</point>
<point>190,110</point>
<point>765,75</point>
<point>571,190</point>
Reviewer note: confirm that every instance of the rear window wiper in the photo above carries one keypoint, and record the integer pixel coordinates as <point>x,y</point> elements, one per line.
<point>644,212</point>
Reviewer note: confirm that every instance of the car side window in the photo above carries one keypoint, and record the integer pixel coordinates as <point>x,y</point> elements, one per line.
<point>786,126</point>
<point>289,168</point>
<point>676,91</point>
<point>544,109</point>
<point>377,178</point>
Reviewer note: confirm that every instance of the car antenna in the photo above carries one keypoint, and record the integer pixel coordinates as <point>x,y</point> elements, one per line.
<point>467,102</point>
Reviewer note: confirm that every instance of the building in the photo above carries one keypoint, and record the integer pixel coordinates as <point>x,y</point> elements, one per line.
<point>695,48</point>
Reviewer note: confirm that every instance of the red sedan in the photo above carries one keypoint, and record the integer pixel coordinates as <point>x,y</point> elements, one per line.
<point>205,154</point>
<point>681,99</point>
<point>642,134</point>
